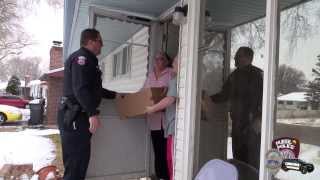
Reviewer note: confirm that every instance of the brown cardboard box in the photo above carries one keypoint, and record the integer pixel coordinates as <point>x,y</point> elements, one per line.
<point>131,105</point>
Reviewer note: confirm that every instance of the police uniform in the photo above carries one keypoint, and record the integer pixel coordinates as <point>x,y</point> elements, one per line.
<point>243,90</point>
<point>82,95</point>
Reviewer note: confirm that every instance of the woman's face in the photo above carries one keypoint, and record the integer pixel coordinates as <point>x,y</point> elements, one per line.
<point>160,62</point>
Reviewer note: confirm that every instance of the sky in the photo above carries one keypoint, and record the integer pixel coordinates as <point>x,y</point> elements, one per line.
<point>44,24</point>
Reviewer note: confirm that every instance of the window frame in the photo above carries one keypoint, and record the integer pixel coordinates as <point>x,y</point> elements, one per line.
<point>121,63</point>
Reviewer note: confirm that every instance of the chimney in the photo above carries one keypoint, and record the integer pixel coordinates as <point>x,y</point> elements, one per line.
<point>56,55</point>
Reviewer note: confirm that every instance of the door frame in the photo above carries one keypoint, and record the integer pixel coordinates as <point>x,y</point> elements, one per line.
<point>269,98</point>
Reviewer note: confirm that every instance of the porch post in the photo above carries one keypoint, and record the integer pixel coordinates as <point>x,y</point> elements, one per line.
<point>269,85</point>
<point>187,83</point>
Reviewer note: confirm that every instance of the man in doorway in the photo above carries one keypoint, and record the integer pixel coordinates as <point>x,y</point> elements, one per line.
<point>78,111</point>
<point>243,90</point>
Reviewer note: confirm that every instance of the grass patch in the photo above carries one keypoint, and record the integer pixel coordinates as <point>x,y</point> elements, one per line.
<point>55,138</point>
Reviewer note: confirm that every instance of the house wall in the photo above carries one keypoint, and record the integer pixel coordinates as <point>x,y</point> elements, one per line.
<point>81,22</point>
<point>55,86</point>
<point>134,80</point>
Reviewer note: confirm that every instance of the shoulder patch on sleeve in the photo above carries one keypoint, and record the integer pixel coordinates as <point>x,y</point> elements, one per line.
<point>81,60</point>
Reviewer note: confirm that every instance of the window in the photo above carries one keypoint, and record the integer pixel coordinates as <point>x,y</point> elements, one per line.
<point>122,62</point>
<point>289,102</point>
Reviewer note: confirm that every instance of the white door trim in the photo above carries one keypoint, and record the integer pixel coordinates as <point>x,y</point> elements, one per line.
<point>191,87</point>
<point>269,83</point>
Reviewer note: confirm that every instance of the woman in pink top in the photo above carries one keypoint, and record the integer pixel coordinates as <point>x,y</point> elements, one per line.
<point>159,77</point>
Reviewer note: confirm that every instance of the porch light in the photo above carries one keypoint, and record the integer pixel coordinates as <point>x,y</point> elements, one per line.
<point>179,15</point>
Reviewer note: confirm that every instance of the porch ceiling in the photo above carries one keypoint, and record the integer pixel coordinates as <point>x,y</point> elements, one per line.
<point>148,7</point>
<point>225,13</point>
<point>114,33</point>
<point>231,13</point>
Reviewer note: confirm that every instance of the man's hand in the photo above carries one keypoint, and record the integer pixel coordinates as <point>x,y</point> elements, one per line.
<point>149,109</point>
<point>94,123</point>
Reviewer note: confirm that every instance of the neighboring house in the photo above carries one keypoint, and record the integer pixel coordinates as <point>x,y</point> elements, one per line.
<point>54,78</point>
<point>38,89</point>
<point>293,101</point>
<point>133,31</point>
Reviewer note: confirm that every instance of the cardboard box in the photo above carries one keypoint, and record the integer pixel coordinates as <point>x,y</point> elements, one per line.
<point>131,105</point>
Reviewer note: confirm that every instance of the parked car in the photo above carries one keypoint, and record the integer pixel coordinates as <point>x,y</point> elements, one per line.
<point>15,101</point>
<point>9,114</point>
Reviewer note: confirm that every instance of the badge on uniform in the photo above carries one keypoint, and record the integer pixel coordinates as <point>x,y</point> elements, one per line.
<point>81,60</point>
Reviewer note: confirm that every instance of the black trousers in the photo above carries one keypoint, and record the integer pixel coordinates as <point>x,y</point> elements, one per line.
<point>76,147</point>
<point>159,146</point>
<point>246,147</point>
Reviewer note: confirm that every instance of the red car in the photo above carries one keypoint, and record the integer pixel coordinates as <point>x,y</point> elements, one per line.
<point>14,101</point>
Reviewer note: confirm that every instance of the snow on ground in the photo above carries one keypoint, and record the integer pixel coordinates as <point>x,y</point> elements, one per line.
<point>311,122</point>
<point>27,147</point>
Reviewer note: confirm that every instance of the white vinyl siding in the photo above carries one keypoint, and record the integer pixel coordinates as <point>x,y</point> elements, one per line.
<point>81,23</point>
<point>130,75</point>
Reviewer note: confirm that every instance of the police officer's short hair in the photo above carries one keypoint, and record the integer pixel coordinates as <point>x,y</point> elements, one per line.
<point>88,34</point>
<point>247,51</point>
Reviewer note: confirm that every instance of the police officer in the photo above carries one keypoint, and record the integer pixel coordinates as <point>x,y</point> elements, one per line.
<point>243,89</point>
<point>78,114</point>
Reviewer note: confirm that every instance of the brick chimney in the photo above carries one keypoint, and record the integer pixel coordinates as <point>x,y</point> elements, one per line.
<point>56,55</point>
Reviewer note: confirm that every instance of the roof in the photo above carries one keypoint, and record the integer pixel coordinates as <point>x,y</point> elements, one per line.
<point>294,96</point>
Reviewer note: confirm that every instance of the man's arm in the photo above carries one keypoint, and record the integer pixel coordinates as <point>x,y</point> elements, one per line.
<point>223,95</point>
<point>256,91</point>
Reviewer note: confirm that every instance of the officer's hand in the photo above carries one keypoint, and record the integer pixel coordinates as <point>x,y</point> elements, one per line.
<point>94,124</point>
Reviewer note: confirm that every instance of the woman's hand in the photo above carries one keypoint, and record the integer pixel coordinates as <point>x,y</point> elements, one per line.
<point>150,109</point>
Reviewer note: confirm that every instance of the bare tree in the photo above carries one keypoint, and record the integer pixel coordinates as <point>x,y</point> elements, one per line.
<point>23,67</point>
<point>295,22</point>
<point>12,37</point>
<point>290,79</point>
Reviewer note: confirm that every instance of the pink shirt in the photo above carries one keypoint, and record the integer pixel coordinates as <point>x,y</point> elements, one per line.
<point>156,120</point>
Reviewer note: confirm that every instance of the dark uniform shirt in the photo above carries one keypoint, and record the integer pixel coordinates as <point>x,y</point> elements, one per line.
<point>82,81</point>
<point>243,90</point>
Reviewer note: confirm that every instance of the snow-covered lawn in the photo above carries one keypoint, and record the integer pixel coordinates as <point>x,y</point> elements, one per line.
<point>310,122</point>
<point>27,146</point>
<point>308,153</point>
